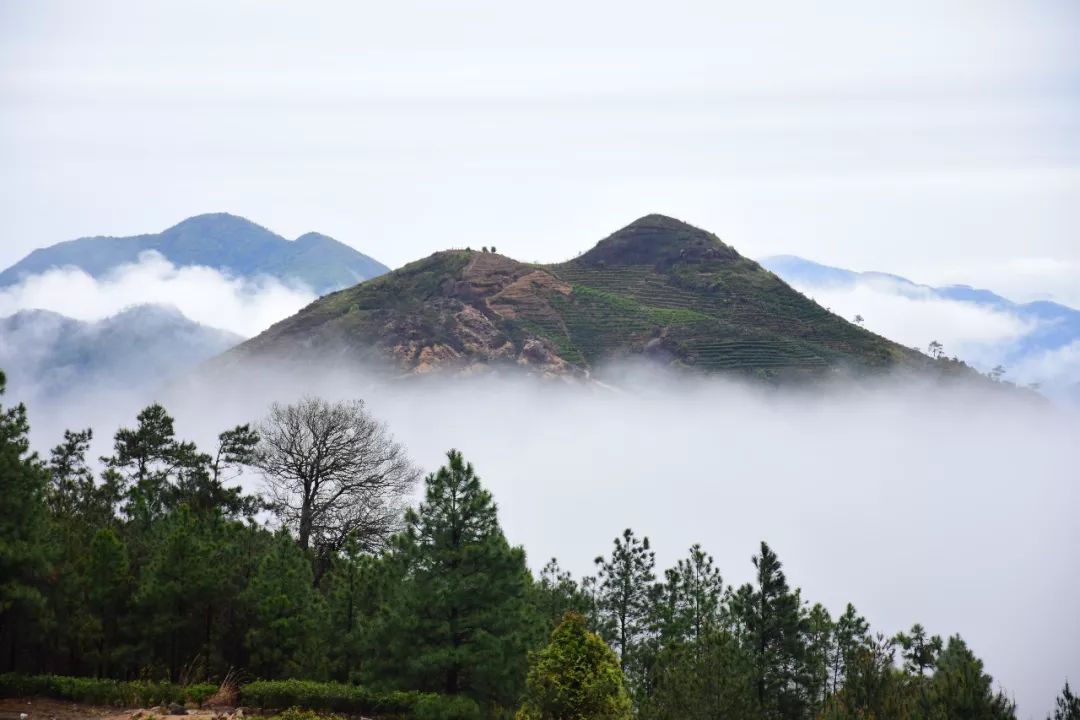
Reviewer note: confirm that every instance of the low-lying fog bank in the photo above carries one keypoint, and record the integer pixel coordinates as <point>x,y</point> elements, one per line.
<point>917,503</point>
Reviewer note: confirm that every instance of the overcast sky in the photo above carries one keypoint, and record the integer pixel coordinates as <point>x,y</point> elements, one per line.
<point>937,140</point>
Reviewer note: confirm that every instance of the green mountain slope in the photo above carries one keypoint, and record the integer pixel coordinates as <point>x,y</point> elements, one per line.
<point>219,240</point>
<point>658,288</point>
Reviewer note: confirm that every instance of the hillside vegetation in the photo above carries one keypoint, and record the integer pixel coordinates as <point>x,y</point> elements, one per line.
<point>657,288</point>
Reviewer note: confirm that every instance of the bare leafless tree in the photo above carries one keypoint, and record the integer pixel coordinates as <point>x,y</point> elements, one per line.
<point>333,475</point>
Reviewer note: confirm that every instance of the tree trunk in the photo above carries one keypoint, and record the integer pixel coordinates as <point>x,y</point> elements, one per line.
<point>303,533</point>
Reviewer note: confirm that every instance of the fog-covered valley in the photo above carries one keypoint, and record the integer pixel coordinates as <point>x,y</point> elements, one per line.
<point>925,503</point>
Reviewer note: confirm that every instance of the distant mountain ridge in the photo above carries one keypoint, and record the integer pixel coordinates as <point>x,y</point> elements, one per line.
<point>51,357</point>
<point>1054,326</point>
<point>658,288</point>
<point>218,240</point>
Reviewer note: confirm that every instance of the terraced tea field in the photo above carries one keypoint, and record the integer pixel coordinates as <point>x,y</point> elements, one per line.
<point>723,327</point>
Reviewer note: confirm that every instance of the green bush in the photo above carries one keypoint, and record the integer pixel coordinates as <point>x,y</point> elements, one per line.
<point>333,697</point>
<point>295,713</point>
<point>98,691</point>
<point>446,707</point>
<point>575,676</point>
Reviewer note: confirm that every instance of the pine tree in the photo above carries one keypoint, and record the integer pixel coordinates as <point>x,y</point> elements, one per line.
<point>819,638</point>
<point>873,688</point>
<point>201,480</point>
<point>460,622</point>
<point>575,676</point>
<point>176,585</point>
<point>25,550</point>
<point>699,590</point>
<point>241,547</point>
<point>960,689</point>
<point>625,597</point>
<point>147,458</point>
<point>78,510</point>
<point>71,481</point>
<point>1067,706</point>
<point>557,593</point>
<point>770,612</point>
<point>354,587</point>
<point>107,589</point>
<point>850,633</point>
<point>683,611</point>
<point>696,668</point>
<point>288,613</point>
<point>710,677</point>
<point>920,652</point>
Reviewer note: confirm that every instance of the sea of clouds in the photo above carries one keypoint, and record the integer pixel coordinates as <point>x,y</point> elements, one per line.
<point>981,335</point>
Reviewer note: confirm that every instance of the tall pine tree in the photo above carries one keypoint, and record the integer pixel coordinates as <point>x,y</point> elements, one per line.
<point>1067,706</point>
<point>25,550</point>
<point>960,689</point>
<point>284,640</point>
<point>625,598</point>
<point>850,633</point>
<point>774,628</point>
<point>460,622</point>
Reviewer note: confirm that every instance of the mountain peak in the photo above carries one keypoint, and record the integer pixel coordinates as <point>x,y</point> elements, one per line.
<point>661,241</point>
<point>658,288</point>
<point>151,311</point>
<point>316,239</point>
<point>218,240</point>
<point>661,219</point>
<point>219,223</point>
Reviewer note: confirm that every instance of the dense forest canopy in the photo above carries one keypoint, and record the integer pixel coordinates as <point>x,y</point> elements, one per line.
<point>154,563</point>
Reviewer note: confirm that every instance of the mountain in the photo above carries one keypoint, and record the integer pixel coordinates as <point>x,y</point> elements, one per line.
<point>1052,328</point>
<point>226,242</point>
<point>798,270</point>
<point>657,288</point>
<point>50,357</point>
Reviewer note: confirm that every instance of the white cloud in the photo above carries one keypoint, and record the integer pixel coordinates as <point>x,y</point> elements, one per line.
<point>914,316</point>
<point>203,294</point>
<point>1060,366</point>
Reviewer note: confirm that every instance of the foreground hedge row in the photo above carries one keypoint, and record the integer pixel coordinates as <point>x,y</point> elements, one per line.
<point>354,699</point>
<point>97,691</point>
<point>267,694</point>
<point>333,697</point>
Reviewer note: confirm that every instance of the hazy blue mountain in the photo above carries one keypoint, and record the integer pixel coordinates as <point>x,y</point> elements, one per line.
<point>1055,326</point>
<point>219,240</point>
<point>792,268</point>
<point>50,357</point>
